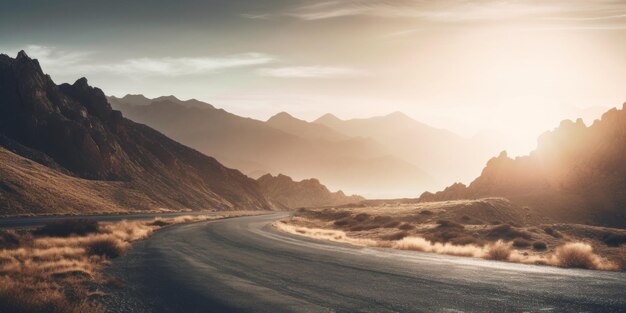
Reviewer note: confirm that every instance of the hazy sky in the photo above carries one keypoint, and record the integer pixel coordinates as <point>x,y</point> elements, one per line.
<point>513,68</point>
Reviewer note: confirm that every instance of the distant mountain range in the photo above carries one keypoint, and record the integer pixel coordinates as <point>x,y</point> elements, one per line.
<point>576,174</point>
<point>387,156</point>
<point>63,149</point>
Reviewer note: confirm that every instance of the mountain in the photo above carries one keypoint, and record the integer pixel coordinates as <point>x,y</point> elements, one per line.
<point>73,131</point>
<point>433,149</point>
<point>292,125</point>
<point>305,193</point>
<point>142,100</point>
<point>282,145</point>
<point>577,174</point>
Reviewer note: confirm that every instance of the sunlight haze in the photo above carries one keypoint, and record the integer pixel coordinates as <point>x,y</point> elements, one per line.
<point>506,69</point>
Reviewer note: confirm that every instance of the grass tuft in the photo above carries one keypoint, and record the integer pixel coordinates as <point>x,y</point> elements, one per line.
<point>498,251</point>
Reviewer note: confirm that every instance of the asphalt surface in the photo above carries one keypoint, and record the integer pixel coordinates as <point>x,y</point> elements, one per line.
<point>245,265</point>
<point>16,222</point>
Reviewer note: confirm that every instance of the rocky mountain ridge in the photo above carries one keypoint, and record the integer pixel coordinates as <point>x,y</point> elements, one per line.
<point>74,130</point>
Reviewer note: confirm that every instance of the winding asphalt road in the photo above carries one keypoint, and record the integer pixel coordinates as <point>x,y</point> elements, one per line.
<point>245,265</point>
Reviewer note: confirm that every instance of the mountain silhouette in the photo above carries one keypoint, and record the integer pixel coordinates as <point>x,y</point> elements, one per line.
<point>576,174</point>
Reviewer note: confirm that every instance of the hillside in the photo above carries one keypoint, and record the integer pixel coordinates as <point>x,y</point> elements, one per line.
<point>28,187</point>
<point>576,174</point>
<point>302,194</point>
<point>281,145</point>
<point>73,130</point>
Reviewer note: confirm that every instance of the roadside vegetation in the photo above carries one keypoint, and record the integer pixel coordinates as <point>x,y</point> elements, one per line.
<point>487,228</point>
<point>57,268</point>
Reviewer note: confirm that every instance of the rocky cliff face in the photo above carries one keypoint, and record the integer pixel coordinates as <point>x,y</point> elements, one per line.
<point>302,194</point>
<point>72,129</point>
<point>577,173</point>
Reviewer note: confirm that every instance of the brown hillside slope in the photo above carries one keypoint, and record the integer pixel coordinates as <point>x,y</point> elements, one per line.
<point>74,128</point>
<point>27,187</point>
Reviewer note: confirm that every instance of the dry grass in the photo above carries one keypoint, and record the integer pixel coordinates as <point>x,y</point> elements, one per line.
<point>55,270</point>
<point>498,251</point>
<point>502,242</point>
<point>580,255</point>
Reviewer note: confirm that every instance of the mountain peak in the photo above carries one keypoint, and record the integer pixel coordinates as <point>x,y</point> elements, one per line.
<point>132,97</point>
<point>81,82</point>
<point>397,115</point>
<point>281,116</point>
<point>22,55</point>
<point>327,118</point>
<point>168,98</point>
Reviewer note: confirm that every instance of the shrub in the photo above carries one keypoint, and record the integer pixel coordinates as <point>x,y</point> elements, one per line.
<point>540,245</point>
<point>361,217</point>
<point>614,239</point>
<point>465,240</point>
<point>9,239</point>
<point>406,226</point>
<point>107,246</point>
<point>552,232</point>
<point>66,228</point>
<point>506,231</point>
<point>442,235</point>
<point>395,236</point>
<point>426,212</point>
<point>498,251</point>
<point>342,222</point>
<point>578,255</point>
<point>521,243</point>
<point>391,224</point>
<point>449,224</point>
<point>159,223</point>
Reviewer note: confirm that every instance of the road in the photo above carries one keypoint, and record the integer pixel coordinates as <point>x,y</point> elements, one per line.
<point>245,265</point>
<point>16,222</point>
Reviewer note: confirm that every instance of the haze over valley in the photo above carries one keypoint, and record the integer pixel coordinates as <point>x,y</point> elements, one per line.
<point>376,157</point>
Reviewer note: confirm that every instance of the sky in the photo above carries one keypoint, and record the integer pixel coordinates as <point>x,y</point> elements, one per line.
<point>512,69</point>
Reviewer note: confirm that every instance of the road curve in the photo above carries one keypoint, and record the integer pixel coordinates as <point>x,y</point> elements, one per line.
<point>245,265</point>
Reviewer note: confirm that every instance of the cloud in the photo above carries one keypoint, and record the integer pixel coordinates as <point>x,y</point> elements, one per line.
<point>60,61</point>
<point>461,11</point>
<point>169,66</point>
<point>263,16</point>
<point>53,58</point>
<point>310,72</point>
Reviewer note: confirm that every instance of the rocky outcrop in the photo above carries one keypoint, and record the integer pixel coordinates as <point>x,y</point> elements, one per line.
<point>576,174</point>
<point>73,129</point>
<point>302,194</point>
